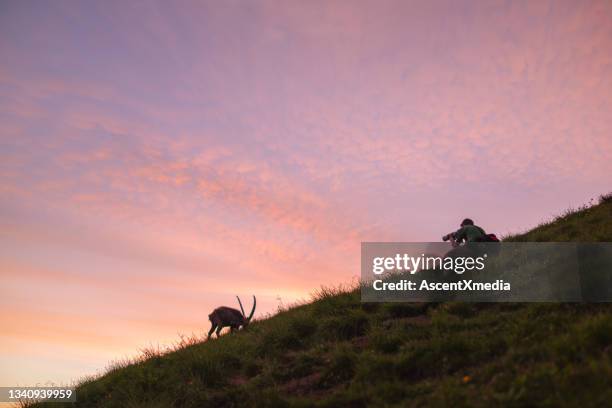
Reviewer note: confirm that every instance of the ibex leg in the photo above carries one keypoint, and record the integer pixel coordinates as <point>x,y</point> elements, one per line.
<point>212,329</point>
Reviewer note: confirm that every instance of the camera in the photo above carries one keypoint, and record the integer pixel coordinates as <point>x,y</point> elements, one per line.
<point>447,237</point>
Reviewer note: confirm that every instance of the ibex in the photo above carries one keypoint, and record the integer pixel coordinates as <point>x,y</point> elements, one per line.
<point>229,317</point>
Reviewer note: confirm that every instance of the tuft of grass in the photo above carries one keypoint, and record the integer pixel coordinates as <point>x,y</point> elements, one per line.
<point>340,368</point>
<point>345,327</point>
<point>388,343</point>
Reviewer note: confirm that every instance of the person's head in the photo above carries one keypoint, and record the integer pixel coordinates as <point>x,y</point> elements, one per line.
<point>467,221</point>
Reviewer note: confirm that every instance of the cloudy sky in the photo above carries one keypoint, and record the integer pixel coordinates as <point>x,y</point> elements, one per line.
<point>157,159</point>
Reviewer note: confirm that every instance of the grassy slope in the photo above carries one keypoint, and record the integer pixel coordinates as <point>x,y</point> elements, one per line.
<point>337,351</point>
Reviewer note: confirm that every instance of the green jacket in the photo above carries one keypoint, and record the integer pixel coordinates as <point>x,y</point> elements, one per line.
<point>469,233</point>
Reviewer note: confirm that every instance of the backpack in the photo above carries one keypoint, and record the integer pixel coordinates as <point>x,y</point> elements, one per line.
<point>490,238</point>
<point>487,238</point>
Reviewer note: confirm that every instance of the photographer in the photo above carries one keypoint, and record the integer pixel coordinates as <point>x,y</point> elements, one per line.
<point>471,234</point>
<point>468,233</point>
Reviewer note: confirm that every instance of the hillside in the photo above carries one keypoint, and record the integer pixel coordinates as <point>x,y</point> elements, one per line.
<point>337,351</point>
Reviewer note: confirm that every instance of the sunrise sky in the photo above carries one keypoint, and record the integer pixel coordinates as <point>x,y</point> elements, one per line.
<point>157,159</point>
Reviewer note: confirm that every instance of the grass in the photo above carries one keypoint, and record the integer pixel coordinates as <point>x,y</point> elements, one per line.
<point>337,351</point>
<point>588,223</point>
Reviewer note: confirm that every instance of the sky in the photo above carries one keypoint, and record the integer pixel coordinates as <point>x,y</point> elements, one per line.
<point>157,159</point>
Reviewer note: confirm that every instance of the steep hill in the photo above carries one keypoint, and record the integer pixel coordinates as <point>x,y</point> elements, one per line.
<point>337,351</point>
